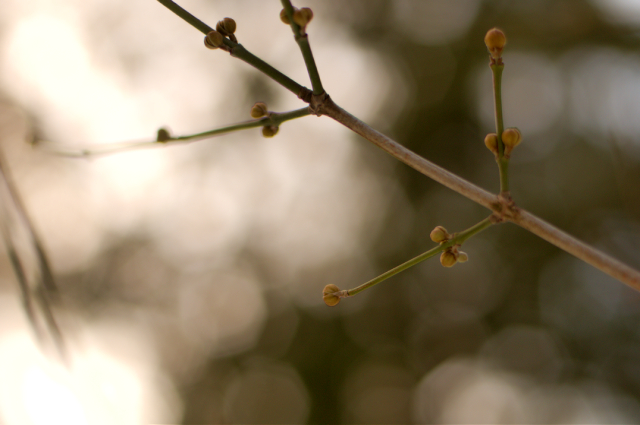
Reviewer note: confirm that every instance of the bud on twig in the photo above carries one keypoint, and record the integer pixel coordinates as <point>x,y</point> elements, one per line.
<point>270,130</point>
<point>303,16</point>
<point>439,234</point>
<point>163,135</point>
<point>511,138</point>
<point>213,40</point>
<point>495,41</point>
<point>448,258</point>
<point>259,110</point>
<point>462,257</point>
<point>284,18</point>
<point>328,295</point>
<point>491,142</point>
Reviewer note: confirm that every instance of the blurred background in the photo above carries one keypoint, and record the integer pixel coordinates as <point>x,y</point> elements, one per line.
<point>191,275</point>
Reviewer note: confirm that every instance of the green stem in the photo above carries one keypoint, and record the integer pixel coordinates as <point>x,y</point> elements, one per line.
<point>197,23</point>
<point>237,50</point>
<point>274,119</point>
<point>457,239</point>
<point>502,160</point>
<point>303,42</point>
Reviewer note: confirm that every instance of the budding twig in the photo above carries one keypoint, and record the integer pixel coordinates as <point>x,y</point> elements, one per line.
<point>451,242</point>
<point>302,39</point>
<point>272,119</point>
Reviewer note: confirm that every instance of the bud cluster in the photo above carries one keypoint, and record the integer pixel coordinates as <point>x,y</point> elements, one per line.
<point>224,29</point>
<point>329,295</point>
<point>301,16</point>
<point>511,138</point>
<point>451,256</point>
<point>259,110</point>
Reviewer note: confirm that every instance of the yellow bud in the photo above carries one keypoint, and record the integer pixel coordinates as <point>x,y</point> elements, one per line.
<point>226,26</point>
<point>328,295</point>
<point>448,259</point>
<point>284,18</point>
<point>491,142</point>
<point>163,135</point>
<point>213,40</point>
<point>259,110</point>
<point>269,130</point>
<point>495,41</point>
<point>511,138</point>
<point>462,257</point>
<point>303,16</point>
<point>439,234</point>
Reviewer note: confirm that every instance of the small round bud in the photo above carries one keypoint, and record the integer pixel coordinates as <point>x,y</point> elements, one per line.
<point>163,135</point>
<point>462,257</point>
<point>511,138</point>
<point>491,142</point>
<point>269,131</point>
<point>226,26</point>
<point>284,18</point>
<point>259,110</point>
<point>439,234</point>
<point>328,295</point>
<point>213,40</point>
<point>495,41</point>
<point>448,259</point>
<point>303,16</point>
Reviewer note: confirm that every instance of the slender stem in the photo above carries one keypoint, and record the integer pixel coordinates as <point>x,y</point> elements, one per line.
<point>502,160</point>
<point>415,161</point>
<point>303,42</point>
<point>240,52</point>
<point>581,250</point>
<point>237,50</point>
<point>274,119</point>
<point>457,239</point>
<point>197,23</point>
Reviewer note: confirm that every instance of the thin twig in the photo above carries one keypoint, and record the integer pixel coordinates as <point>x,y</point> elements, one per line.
<point>273,119</point>
<point>303,42</point>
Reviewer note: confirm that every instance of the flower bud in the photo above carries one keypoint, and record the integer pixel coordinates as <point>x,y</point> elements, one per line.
<point>213,40</point>
<point>163,135</point>
<point>495,41</point>
<point>462,257</point>
<point>491,142</point>
<point>511,138</point>
<point>328,295</point>
<point>439,234</point>
<point>270,130</point>
<point>448,259</point>
<point>259,110</point>
<point>303,16</point>
<point>226,26</point>
<point>284,18</point>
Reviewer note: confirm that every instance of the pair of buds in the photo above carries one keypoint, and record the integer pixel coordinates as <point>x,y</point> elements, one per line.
<point>301,16</point>
<point>511,138</point>
<point>452,255</point>
<point>224,29</point>
<point>260,110</point>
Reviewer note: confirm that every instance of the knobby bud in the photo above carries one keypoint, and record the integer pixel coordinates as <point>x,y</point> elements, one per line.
<point>328,295</point>
<point>439,234</point>
<point>448,258</point>
<point>163,135</point>
<point>259,110</point>
<point>227,26</point>
<point>213,40</point>
<point>511,138</point>
<point>462,257</point>
<point>303,16</point>
<point>270,130</point>
<point>284,18</point>
<point>491,142</point>
<point>495,41</point>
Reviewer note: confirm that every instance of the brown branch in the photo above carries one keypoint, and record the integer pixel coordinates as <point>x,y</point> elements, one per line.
<point>504,207</point>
